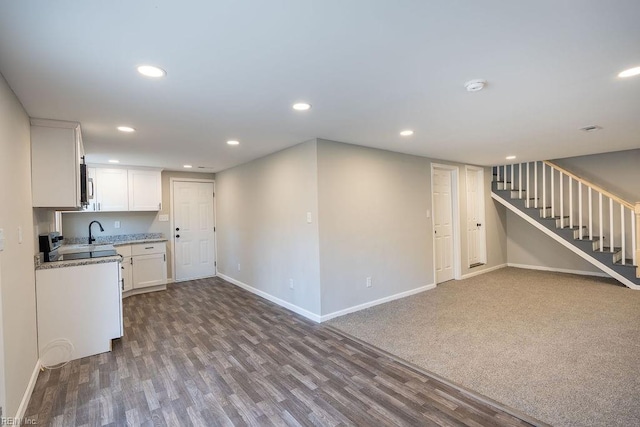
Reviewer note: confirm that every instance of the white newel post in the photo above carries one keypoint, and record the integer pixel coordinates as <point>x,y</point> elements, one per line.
<point>637,238</point>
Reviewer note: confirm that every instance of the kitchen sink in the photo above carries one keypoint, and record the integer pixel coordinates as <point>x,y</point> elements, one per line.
<point>71,249</point>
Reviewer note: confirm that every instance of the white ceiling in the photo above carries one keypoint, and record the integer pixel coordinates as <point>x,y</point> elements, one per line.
<point>369,67</point>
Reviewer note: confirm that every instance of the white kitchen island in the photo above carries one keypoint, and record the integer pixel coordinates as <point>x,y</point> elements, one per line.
<point>79,303</point>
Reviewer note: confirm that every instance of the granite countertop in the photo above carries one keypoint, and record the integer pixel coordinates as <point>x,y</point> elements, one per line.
<point>116,240</point>
<point>136,241</point>
<point>76,262</point>
<point>119,239</point>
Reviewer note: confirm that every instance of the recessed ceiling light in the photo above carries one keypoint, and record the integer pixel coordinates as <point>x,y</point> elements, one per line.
<point>187,166</point>
<point>301,106</point>
<point>475,85</point>
<point>510,157</point>
<point>151,71</point>
<point>114,161</point>
<point>406,132</point>
<point>233,142</point>
<point>126,129</point>
<point>630,72</point>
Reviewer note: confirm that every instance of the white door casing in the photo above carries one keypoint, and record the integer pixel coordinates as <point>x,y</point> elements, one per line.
<point>476,229</point>
<point>193,229</point>
<point>443,224</point>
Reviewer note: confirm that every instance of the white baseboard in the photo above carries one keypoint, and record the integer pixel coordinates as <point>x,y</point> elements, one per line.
<point>484,270</point>
<point>27,393</point>
<point>301,311</point>
<point>558,270</point>
<point>376,302</point>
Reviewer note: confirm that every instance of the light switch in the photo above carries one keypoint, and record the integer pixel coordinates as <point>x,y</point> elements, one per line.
<point>308,217</point>
<point>19,234</point>
<point>1,239</point>
<point>428,213</point>
<point>163,218</point>
<point>116,224</point>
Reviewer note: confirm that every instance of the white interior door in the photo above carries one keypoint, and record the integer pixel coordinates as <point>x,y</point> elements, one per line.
<point>193,241</point>
<point>475,217</point>
<point>443,224</point>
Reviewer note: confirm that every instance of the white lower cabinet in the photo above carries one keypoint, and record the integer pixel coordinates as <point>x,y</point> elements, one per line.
<point>79,311</point>
<point>144,266</point>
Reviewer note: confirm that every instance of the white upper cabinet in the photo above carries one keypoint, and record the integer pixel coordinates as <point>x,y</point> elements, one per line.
<point>56,155</point>
<point>122,189</point>
<point>111,190</point>
<point>145,190</point>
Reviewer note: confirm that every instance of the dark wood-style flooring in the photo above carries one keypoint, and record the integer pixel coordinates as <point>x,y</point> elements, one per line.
<point>207,353</point>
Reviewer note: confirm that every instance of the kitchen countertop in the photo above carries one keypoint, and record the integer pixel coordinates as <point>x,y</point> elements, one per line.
<point>117,240</point>
<point>76,262</point>
<point>138,241</point>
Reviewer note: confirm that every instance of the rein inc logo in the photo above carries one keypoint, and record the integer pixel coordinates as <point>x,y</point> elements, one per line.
<point>10,421</point>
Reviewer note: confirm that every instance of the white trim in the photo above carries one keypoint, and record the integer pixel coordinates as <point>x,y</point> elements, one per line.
<point>558,270</point>
<point>27,393</point>
<point>566,244</point>
<point>282,303</point>
<point>482,271</point>
<point>376,302</point>
<point>171,240</point>
<point>455,208</point>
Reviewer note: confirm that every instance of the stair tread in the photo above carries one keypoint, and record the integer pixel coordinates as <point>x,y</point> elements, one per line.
<point>628,263</point>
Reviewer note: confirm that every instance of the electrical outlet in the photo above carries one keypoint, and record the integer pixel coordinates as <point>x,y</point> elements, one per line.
<point>116,224</point>
<point>368,282</point>
<point>290,283</point>
<point>20,234</point>
<point>238,266</point>
<point>1,239</point>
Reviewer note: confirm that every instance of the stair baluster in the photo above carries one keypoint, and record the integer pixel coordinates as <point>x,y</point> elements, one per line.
<point>622,235</point>
<point>561,201</point>
<point>535,183</point>
<point>544,192</point>
<point>571,202</point>
<point>611,260</point>
<point>611,222</point>
<point>580,209</point>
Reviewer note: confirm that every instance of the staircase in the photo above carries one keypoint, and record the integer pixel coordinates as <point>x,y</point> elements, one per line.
<point>588,220</point>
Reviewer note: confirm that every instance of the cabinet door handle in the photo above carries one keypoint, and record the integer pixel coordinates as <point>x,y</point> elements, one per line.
<point>165,257</point>
<point>149,247</point>
<point>98,205</point>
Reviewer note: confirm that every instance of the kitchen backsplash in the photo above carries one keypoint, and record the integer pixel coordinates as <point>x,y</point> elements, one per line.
<point>115,238</point>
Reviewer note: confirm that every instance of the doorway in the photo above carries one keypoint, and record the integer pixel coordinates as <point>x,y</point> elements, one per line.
<point>476,228</point>
<point>193,229</point>
<point>446,251</point>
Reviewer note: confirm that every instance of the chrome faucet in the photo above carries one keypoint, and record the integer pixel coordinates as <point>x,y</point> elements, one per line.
<point>91,238</point>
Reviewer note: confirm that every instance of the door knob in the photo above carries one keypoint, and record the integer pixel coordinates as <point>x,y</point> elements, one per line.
<point>479,225</point>
<point>177,236</point>
<point>177,228</point>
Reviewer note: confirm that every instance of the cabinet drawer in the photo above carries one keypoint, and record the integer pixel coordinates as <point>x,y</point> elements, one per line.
<point>148,248</point>
<point>124,250</point>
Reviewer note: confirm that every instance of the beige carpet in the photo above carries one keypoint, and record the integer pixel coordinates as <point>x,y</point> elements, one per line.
<point>564,349</point>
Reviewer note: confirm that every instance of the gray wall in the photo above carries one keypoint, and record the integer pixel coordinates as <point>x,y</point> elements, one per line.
<point>373,222</point>
<point>17,277</point>
<point>617,172</point>
<point>529,246</point>
<point>261,216</point>
<point>75,224</point>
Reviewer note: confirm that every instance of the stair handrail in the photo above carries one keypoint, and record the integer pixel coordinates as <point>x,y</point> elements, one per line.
<point>592,185</point>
